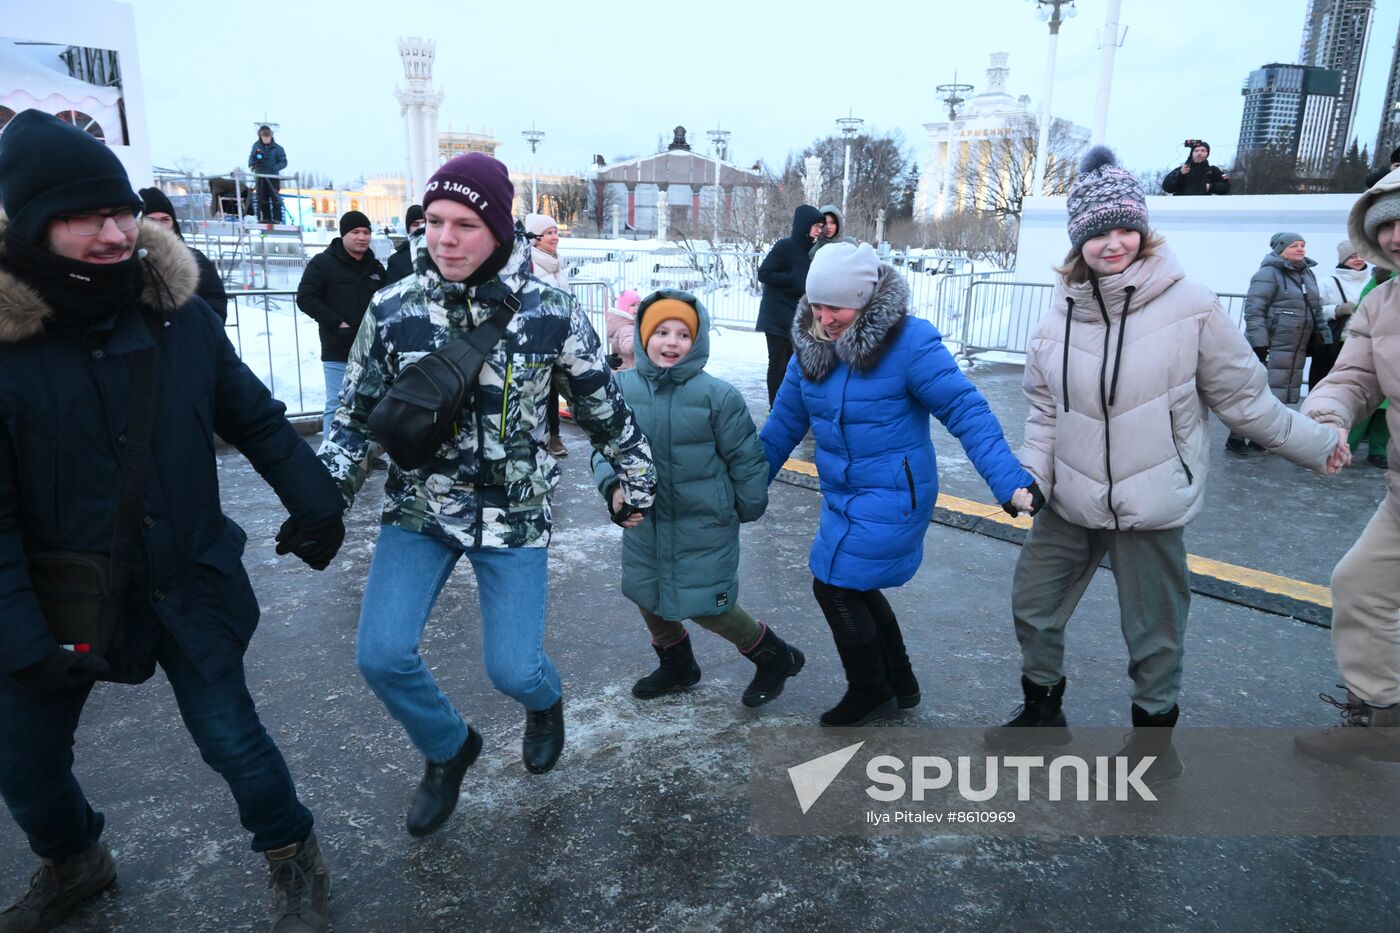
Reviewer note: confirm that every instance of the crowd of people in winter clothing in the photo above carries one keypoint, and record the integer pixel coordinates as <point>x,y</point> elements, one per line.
<point>110,347</point>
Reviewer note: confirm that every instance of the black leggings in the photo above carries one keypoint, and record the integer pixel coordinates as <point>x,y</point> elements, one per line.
<point>551,414</point>
<point>856,617</point>
<point>779,352</point>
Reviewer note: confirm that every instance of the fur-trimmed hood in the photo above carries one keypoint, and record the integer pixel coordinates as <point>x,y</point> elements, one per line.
<point>176,275</point>
<point>865,341</point>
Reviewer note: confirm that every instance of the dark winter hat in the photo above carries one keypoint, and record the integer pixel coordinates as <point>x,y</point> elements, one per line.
<point>1202,142</point>
<point>265,129</point>
<point>48,167</point>
<point>412,215</point>
<point>480,182</point>
<point>1281,241</point>
<point>843,275</point>
<point>155,202</point>
<point>352,220</point>
<point>1103,197</point>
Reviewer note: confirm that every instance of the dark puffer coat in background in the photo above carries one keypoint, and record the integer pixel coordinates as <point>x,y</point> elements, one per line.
<point>336,289</point>
<point>1282,310</point>
<point>784,274</point>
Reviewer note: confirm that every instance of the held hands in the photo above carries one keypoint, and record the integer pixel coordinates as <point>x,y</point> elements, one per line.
<point>314,542</point>
<point>1030,500</point>
<point>623,514</point>
<point>1341,454</point>
<point>61,670</point>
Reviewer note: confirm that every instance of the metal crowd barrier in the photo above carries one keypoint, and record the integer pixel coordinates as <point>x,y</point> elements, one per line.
<point>1000,315</point>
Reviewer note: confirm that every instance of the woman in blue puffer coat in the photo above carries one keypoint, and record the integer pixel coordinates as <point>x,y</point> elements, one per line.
<point>865,377</point>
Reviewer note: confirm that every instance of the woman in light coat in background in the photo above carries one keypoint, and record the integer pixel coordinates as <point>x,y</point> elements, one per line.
<point>543,234</point>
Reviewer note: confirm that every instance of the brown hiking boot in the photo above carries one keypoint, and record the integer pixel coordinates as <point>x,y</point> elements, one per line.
<point>1365,732</point>
<point>301,899</point>
<point>58,887</point>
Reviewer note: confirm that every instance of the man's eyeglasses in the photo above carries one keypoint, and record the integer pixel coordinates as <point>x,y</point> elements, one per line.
<point>91,224</point>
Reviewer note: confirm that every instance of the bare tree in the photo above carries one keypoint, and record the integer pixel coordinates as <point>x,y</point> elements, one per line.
<point>566,198</point>
<point>1268,170</point>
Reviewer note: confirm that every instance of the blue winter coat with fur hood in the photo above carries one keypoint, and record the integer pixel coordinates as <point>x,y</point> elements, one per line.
<point>867,398</point>
<point>683,560</point>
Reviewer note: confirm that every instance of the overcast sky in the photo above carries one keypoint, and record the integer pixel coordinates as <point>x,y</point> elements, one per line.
<point>610,76</point>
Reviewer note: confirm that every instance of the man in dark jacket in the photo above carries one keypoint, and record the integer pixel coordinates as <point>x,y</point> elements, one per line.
<point>335,289</point>
<point>784,277</point>
<point>1380,173</point>
<point>268,160</point>
<point>1197,175</point>
<point>92,304</point>
<point>401,263</point>
<point>160,211</point>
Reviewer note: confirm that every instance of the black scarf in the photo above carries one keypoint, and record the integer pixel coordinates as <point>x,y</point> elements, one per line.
<point>80,293</point>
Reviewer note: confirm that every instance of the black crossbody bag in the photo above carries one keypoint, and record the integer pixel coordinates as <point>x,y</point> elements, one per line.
<point>420,412</point>
<point>82,595</point>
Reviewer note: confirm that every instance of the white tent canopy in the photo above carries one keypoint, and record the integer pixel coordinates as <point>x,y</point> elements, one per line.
<point>26,84</point>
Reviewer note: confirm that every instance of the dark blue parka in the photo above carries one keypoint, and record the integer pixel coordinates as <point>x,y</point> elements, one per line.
<point>783,273</point>
<point>65,389</point>
<point>867,398</point>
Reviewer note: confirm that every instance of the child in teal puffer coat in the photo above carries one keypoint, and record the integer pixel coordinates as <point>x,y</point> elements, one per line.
<point>682,560</point>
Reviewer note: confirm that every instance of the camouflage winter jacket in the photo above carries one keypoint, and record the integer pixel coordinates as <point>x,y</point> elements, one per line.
<point>489,485</point>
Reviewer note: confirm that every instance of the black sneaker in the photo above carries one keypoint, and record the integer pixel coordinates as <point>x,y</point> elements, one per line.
<point>58,887</point>
<point>436,796</point>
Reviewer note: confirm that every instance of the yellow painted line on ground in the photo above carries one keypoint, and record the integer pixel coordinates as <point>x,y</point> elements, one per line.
<point>1219,570</point>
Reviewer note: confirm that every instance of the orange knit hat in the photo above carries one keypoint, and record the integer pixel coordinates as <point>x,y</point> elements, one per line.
<point>668,309</point>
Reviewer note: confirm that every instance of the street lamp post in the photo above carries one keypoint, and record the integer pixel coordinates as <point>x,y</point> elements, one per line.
<point>1048,10</point>
<point>719,142</point>
<point>952,95</point>
<point>533,137</point>
<point>850,128</point>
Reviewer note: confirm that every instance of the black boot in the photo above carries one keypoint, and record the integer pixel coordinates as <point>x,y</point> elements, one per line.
<point>58,887</point>
<point>1237,445</point>
<point>301,885</point>
<point>869,695</point>
<point>776,661</point>
<point>1040,712</point>
<point>436,796</point>
<point>902,679</point>
<point>544,737</point>
<point>1151,736</point>
<point>678,671</point>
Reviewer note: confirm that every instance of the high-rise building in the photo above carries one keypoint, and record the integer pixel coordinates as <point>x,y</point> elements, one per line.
<point>1293,106</point>
<point>1388,133</point>
<point>1335,34</point>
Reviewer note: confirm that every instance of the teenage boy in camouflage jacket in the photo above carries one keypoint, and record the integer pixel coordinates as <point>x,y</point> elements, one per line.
<point>485,493</point>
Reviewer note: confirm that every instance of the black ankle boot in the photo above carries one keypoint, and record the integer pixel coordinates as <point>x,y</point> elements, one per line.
<point>1151,736</point>
<point>869,695</point>
<point>678,671</point>
<point>436,796</point>
<point>58,887</point>
<point>1040,712</point>
<point>544,737</point>
<point>902,679</point>
<point>775,661</point>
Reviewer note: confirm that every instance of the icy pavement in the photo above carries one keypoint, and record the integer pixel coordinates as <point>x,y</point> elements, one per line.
<point>644,824</point>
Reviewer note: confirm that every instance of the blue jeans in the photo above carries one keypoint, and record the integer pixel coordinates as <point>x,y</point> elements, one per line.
<point>405,577</point>
<point>335,375</point>
<point>36,759</point>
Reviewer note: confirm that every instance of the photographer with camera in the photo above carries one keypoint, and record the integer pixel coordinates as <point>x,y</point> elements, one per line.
<point>267,161</point>
<point>1197,175</point>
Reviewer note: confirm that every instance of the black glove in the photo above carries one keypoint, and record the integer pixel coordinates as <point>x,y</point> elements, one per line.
<point>314,542</point>
<point>1262,353</point>
<point>61,670</point>
<point>614,360</point>
<point>623,513</point>
<point>1037,502</point>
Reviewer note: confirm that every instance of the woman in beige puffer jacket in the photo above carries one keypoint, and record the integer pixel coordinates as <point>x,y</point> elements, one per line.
<point>1366,582</point>
<point>1121,374</point>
